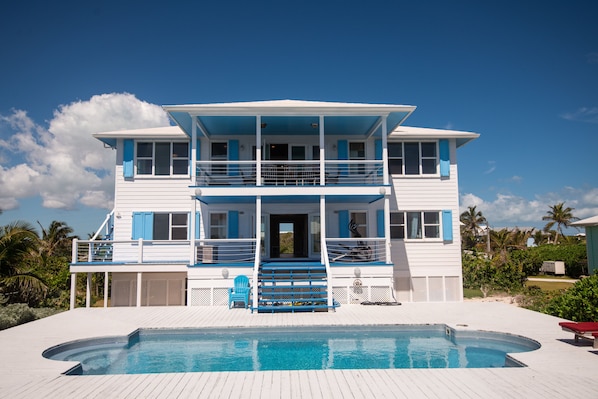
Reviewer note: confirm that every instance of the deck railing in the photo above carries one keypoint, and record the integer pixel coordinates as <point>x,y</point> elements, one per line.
<point>356,250</point>
<point>130,251</point>
<point>289,173</point>
<point>229,250</point>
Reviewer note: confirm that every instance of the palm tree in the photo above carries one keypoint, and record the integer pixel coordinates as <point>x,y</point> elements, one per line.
<point>18,244</point>
<point>472,219</point>
<point>560,216</point>
<point>56,240</point>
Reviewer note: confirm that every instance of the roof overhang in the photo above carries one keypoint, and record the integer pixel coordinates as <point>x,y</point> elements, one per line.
<point>592,221</point>
<point>156,133</point>
<point>419,133</point>
<point>288,117</point>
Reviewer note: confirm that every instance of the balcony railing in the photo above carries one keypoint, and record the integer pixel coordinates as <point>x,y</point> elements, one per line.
<point>356,250</point>
<point>130,251</point>
<point>289,173</point>
<point>227,251</point>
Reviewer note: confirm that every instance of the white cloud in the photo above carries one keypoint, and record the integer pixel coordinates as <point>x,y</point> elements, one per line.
<point>491,167</point>
<point>507,210</point>
<point>64,163</point>
<point>584,114</point>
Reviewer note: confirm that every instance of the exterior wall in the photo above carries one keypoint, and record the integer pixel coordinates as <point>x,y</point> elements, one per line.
<point>425,270</point>
<point>592,249</point>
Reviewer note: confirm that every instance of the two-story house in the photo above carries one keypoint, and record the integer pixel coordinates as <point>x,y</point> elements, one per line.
<point>318,203</point>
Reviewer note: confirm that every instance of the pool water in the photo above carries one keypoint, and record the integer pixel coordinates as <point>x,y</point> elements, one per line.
<point>298,348</point>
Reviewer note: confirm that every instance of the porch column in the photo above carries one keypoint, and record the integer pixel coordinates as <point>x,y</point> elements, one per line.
<point>193,229</point>
<point>258,150</point>
<point>385,151</point>
<point>138,304</point>
<point>73,289</point>
<point>323,249</point>
<point>88,291</point>
<point>322,156</point>
<point>193,149</point>
<point>258,249</point>
<point>106,275</point>
<point>387,227</point>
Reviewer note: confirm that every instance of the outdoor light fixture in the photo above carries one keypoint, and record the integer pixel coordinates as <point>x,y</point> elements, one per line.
<point>264,125</point>
<point>225,273</point>
<point>314,125</point>
<point>357,272</point>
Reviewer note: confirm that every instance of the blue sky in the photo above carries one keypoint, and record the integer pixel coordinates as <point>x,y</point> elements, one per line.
<point>522,74</point>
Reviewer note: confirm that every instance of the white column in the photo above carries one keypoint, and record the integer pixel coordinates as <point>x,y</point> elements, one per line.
<point>193,227</point>
<point>138,304</point>
<point>322,154</point>
<point>88,291</point>
<point>387,227</point>
<point>258,236</point>
<point>385,151</point>
<point>106,275</point>
<point>73,289</point>
<point>193,150</point>
<point>258,150</point>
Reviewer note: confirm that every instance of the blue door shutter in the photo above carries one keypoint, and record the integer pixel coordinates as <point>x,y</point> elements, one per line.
<point>380,222</point>
<point>378,156</point>
<point>342,149</point>
<point>198,150</point>
<point>233,155</point>
<point>233,224</point>
<point>343,224</point>
<point>197,224</point>
<point>445,158</point>
<point>447,225</point>
<point>143,225</point>
<point>128,155</point>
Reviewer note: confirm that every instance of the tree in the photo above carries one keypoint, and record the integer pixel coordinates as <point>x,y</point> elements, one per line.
<point>560,216</point>
<point>472,220</point>
<point>56,240</point>
<point>18,245</point>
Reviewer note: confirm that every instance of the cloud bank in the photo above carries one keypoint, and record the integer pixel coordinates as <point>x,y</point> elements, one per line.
<point>507,210</point>
<point>63,163</point>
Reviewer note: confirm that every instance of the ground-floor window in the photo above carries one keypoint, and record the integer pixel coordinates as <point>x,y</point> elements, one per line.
<point>415,225</point>
<point>217,225</point>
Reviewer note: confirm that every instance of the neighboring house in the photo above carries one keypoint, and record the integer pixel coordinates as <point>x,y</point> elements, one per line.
<point>591,227</point>
<point>318,203</point>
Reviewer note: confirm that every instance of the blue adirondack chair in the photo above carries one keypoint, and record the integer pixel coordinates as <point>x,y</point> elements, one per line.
<point>240,292</point>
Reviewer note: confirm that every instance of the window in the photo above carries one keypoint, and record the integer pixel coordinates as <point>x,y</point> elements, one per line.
<point>218,225</point>
<point>412,158</point>
<point>162,158</point>
<point>358,224</point>
<point>170,226</point>
<point>414,225</point>
<point>315,152</point>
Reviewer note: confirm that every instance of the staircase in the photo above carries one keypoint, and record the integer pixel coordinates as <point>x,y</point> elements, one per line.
<point>292,287</point>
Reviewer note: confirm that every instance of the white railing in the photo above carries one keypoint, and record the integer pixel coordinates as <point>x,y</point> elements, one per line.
<point>130,251</point>
<point>356,250</point>
<point>289,173</point>
<point>217,251</point>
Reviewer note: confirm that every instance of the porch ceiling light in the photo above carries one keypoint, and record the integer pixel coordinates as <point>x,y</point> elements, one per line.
<point>263,125</point>
<point>314,125</point>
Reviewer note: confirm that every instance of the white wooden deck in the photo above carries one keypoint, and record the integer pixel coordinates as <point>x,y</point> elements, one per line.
<point>559,369</point>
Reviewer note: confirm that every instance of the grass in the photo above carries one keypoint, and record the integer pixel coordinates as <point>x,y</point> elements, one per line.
<point>549,285</point>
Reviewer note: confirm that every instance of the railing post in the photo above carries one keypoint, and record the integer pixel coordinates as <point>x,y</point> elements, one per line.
<point>140,251</point>
<point>74,250</point>
<point>73,290</point>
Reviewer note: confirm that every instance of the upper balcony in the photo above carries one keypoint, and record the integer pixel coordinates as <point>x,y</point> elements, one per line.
<point>289,173</point>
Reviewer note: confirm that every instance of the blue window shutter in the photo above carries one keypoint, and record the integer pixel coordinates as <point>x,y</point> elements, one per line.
<point>343,224</point>
<point>233,155</point>
<point>447,225</point>
<point>143,225</point>
<point>378,148</point>
<point>342,148</point>
<point>128,155</point>
<point>233,224</point>
<point>445,158</point>
<point>380,222</point>
<point>198,150</point>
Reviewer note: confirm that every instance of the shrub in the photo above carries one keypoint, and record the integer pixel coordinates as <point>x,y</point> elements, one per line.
<point>488,275</point>
<point>578,303</point>
<point>15,314</point>
<point>574,256</point>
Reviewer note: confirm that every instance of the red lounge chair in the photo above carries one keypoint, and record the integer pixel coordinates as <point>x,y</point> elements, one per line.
<point>585,329</point>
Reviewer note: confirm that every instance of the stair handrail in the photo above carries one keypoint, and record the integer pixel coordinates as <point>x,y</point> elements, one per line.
<point>108,217</point>
<point>256,270</point>
<point>330,301</point>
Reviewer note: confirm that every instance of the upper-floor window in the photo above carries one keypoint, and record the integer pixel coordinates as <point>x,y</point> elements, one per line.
<point>358,224</point>
<point>414,225</point>
<point>162,158</point>
<point>413,158</point>
<point>218,223</point>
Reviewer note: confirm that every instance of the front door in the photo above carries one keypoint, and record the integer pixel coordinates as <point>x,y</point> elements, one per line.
<point>288,236</point>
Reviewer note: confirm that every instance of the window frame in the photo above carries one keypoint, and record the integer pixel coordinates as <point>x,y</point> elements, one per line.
<point>158,228</point>
<point>423,225</point>
<point>223,226</point>
<point>152,159</point>
<point>362,228</point>
<point>422,159</point>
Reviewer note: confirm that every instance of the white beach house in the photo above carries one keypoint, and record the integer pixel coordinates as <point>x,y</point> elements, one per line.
<point>318,203</point>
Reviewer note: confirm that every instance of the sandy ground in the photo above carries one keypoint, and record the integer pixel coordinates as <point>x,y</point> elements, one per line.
<point>512,300</point>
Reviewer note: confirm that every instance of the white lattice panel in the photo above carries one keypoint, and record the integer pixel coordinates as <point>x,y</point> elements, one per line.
<point>380,294</point>
<point>200,297</point>
<point>340,294</point>
<point>220,296</point>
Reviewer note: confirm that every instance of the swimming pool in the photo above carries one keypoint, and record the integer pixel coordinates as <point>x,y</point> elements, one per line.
<point>291,348</point>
